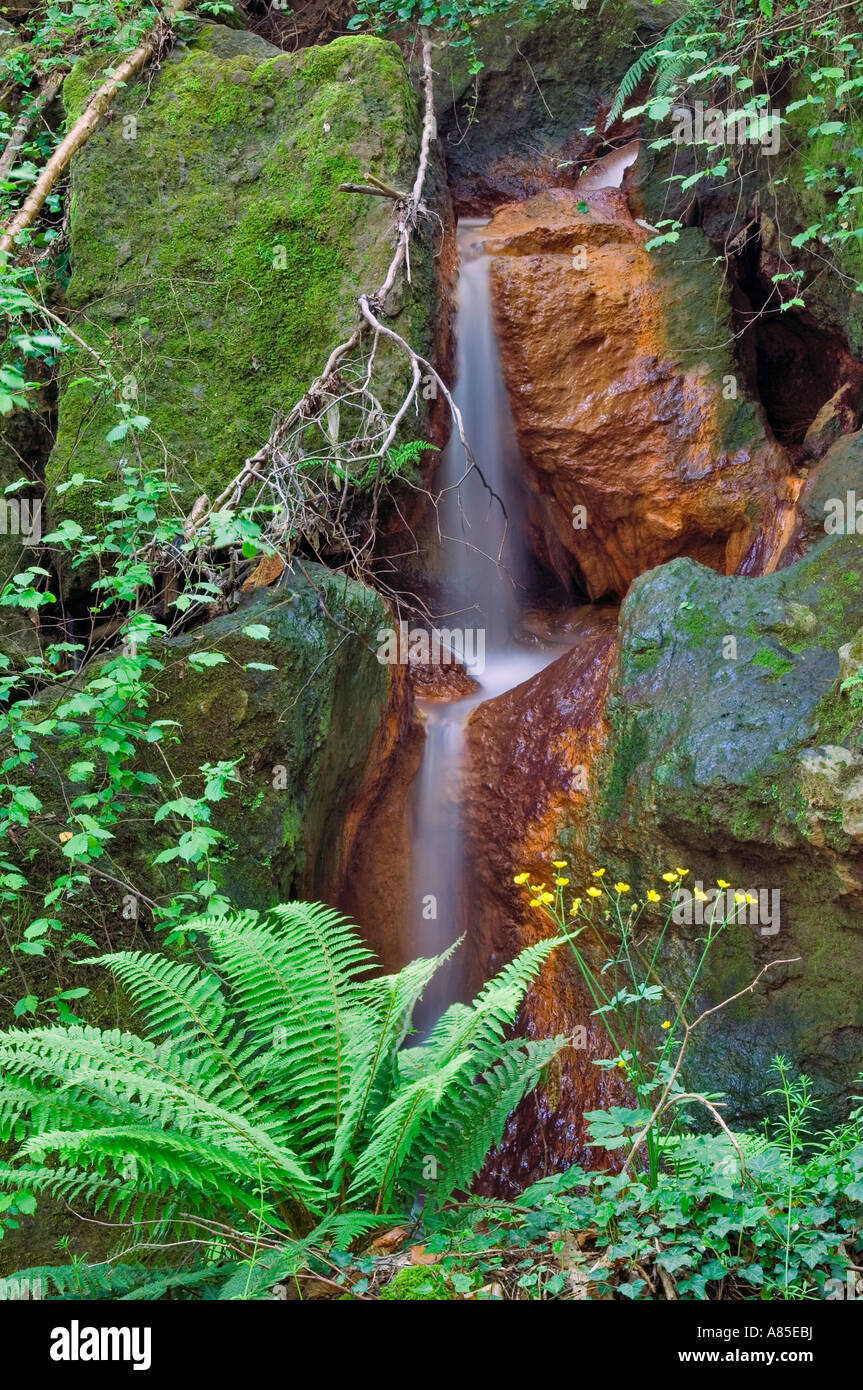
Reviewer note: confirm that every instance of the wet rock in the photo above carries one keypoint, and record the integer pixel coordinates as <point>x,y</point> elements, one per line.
<point>377,891</point>
<point>838,416</point>
<point>518,125</point>
<point>530,758</point>
<point>734,751</point>
<point>443,682</point>
<point>828,502</point>
<point>627,402</point>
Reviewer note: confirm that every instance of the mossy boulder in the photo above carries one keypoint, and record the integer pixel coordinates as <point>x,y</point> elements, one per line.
<point>214,260</point>
<point>302,708</point>
<point>825,505</point>
<point>304,732</point>
<point>734,752</point>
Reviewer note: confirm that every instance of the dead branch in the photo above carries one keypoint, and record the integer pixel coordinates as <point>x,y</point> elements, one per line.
<point>663,1102</point>
<point>371,192</point>
<point>27,120</point>
<point>85,125</point>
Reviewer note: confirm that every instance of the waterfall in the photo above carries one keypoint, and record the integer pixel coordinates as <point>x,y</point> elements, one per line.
<point>484,563</point>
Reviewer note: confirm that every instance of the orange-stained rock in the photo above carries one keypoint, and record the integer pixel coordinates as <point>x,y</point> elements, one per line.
<point>438,682</point>
<point>530,754</point>
<point>619,368</point>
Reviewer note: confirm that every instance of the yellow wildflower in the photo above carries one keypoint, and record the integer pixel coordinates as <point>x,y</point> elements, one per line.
<point>699,896</point>
<point>621,887</point>
<point>576,904</point>
<point>594,892</point>
<point>740,897</point>
<point>559,863</point>
<point>521,878</point>
<point>751,898</point>
<point>561,882</point>
<point>666,1024</point>
<point>670,877</point>
<point>722,883</point>
<point>597,873</point>
<point>546,897</point>
<point>653,896</point>
<point>681,871</point>
<point>534,902</point>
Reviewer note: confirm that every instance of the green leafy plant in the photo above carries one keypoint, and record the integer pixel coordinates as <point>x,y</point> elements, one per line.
<point>737,59</point>
<point>619,955</point>
<point>270,1092</point>
<point>786,1227</point>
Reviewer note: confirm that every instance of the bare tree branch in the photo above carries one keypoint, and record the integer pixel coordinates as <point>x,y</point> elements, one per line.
<point>85,125</point>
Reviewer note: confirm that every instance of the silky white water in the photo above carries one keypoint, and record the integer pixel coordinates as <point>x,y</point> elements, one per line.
<point>485,566</point>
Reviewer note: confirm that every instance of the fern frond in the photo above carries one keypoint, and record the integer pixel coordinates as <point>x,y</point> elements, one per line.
<point>272,1088</point>
<point>471,1122</point>
<point>375,1035</point>
<point>293,977</point>
<point>481,1025</point>
<point>394,1130</point>
<point>178,1001</point>
<point>662,52</point>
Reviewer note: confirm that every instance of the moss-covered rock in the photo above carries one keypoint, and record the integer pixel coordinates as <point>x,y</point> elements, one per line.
<point>213,258</point>
<point>308,734</point>
<point>299,709</point>
<point>733,752</point>
<point>304,732</point>
<point>824,502</point>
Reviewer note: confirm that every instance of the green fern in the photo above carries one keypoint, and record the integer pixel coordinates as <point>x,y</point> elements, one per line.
<point>271,1091</point>
<point>664,56</point>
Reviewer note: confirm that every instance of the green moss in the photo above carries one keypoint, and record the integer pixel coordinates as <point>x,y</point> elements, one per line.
<point>417,1282</point>
<point>697,324</point>
<point>773,662</point>
<point>213,255</point>
<point>807,191</point>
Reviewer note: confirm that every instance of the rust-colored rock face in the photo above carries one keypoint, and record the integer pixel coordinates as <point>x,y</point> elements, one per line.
<point>625,410</point>
<point>530,754</point>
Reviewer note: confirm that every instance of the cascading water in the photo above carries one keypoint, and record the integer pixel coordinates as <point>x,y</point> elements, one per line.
<point>484,565</point>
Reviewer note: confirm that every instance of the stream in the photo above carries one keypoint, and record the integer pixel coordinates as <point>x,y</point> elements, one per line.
<point>485,565</point>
